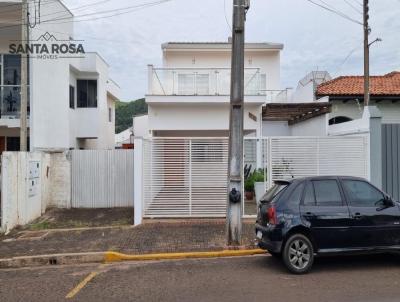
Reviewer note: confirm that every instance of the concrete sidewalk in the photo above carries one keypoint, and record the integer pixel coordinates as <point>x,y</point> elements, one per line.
<point>151,237</point>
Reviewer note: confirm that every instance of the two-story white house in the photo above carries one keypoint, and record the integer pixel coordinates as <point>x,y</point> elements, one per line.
<point>189,95</point>
<point>71,96</point>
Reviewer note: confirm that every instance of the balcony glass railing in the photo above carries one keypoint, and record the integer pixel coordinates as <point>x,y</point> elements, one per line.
<point>202,81</point>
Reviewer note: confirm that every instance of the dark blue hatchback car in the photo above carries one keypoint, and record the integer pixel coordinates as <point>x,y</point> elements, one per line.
<point>302,218</point>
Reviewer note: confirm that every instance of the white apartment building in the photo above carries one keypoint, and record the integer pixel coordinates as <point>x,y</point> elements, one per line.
<point>189,95</point>
<point>71,95</point>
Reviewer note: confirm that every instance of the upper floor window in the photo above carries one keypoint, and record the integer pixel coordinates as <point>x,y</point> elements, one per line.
<point>110,114</point>
<point>86,93</point>
<point>71,97</point>
<point>10,85</point>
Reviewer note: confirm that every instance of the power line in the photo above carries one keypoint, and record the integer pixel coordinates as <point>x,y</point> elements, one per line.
<point>128,9</point>
<point>226,18</point>
<point>353,7</point>
<point>133,9</point>
<point>336,12</point>
<point>345,59</point>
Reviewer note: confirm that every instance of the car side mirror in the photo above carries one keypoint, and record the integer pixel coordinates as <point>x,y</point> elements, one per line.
<point>388,202</point>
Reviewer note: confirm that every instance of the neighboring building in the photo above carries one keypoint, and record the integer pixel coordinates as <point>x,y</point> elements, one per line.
<point>71,99</point>
<point>189,95</point>
<point>123,140</point>
<point>346,94</point>
<point>307,86</point>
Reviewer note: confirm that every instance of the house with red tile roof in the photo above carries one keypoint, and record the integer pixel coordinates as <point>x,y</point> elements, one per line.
<point>346,94</point>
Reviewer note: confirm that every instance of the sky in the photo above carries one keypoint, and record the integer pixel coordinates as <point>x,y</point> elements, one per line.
<point>313,38</point>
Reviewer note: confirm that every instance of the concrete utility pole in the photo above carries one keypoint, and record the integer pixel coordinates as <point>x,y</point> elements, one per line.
<point>235,169</point>
<point>24,79</point>
<point>366,52</point>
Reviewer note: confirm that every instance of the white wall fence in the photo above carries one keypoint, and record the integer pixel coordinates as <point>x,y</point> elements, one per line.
<point>187,177</point>
<point>24,191</point>
<point>102,178</point>
<point>35,181</point>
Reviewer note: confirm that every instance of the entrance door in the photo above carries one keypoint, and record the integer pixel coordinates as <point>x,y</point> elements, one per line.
<point>325,211</point>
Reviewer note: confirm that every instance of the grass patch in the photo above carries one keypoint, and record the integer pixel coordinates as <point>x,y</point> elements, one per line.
<point>41,225</point>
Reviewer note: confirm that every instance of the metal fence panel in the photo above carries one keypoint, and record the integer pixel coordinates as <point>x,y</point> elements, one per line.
<point>293,157</point>
<point>185,177</point>
<point>391,159</point>
<point>102,178</point>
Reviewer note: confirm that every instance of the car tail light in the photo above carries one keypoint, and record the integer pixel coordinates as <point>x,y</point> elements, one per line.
<point>271,215</point>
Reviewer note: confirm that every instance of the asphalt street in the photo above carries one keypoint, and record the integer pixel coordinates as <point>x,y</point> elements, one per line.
<point>254,278</point>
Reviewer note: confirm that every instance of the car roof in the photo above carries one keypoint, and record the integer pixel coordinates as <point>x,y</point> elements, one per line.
<point>298,179</point>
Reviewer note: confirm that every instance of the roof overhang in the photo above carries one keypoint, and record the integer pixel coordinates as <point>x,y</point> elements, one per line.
<point>294,113</point>
<point>219,46</point>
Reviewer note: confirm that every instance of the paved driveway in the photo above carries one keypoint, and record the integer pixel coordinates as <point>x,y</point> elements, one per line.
<point>256,278</point>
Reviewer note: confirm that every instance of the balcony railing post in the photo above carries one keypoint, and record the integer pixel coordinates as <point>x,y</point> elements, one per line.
<point>150,71</point>
<point>195,83</point>
<point>216,82</point>
<point>173,83</point>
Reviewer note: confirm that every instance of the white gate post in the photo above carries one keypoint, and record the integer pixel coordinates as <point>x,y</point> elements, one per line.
<point>375,145</point>
<point>138,180</point>
<point>259,148</point>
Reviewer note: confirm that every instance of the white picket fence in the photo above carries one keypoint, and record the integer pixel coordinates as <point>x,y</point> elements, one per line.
<point>187,177</point>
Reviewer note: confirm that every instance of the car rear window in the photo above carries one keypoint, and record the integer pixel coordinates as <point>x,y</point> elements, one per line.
<point>273,192</point>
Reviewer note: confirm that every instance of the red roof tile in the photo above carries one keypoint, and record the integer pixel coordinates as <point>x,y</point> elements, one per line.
<point>388,84</point>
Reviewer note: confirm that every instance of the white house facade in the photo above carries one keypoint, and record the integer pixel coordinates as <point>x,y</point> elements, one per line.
<point>189,94</point>
<point>71,96</point>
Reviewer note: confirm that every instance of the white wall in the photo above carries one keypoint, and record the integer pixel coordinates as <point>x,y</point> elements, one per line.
<point>20,206</point>
<point>199,117</point>
<point>141,126</point>
<point>390,111</point>
<point>275,128</point>
<point>316,126</point>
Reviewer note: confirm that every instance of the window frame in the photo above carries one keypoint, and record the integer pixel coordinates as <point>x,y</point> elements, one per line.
<point>72,102</point>
<point>78,99</point>
<point>347,194</point>
<point>311,182</point>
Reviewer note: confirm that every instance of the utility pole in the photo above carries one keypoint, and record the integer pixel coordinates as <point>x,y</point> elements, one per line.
<point>366,52</point>
<point>24,78</point>
<point>235,169</point>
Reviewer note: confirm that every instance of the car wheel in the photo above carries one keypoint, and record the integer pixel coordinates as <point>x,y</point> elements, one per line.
<point>298,254</point>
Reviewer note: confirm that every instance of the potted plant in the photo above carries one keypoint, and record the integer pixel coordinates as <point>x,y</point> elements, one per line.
<point>259,184</point>
<point>249,188</point>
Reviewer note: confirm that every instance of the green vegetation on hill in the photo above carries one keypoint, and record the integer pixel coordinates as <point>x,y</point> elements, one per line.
<point>125,111</point>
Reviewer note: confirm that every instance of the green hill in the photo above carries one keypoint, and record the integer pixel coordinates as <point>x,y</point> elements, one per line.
<point>124,112</point>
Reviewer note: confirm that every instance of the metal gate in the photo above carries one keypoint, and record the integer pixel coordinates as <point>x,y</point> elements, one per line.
<point>102,178</point>
<point>391,159</point>
<point>187,177</point>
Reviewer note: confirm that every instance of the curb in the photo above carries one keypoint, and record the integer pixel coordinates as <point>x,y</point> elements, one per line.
<point>116,257</point>
<point>52,260</point>
<point>110,257</point>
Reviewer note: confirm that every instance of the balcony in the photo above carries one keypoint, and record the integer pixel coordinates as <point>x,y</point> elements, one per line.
<point>202,82</point>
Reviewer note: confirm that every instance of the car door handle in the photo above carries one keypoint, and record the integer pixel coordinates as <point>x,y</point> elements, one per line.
<point>357,216</point>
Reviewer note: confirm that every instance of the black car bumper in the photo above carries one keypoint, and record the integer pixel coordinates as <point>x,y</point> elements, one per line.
<point>268,240</point>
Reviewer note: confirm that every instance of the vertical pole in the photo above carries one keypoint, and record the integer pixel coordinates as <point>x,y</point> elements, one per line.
<point>235,169</point>
<point>24,79</point>
<point>366,53</point>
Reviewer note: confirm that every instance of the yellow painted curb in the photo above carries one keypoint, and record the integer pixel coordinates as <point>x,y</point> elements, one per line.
<point>115,256</point>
